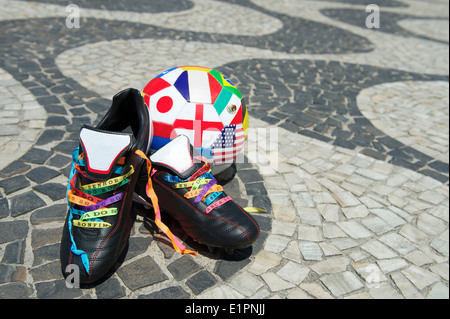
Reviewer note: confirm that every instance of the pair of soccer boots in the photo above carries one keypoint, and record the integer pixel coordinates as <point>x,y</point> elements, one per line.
<point>111,170</point>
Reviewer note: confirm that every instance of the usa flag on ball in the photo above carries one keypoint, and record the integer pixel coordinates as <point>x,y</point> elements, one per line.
<point>229,144</point>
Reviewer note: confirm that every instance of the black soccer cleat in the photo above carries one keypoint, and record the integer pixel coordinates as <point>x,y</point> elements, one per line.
<point>105,171</point>
<point>188,192</point>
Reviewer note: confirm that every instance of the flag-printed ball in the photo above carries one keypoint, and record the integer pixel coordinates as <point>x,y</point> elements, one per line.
<point>202,104</point>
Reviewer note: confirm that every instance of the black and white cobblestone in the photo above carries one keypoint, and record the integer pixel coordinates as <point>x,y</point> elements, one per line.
<point>350,196</point>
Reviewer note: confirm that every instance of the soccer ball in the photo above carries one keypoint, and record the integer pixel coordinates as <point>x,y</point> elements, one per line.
<point>203,105</point>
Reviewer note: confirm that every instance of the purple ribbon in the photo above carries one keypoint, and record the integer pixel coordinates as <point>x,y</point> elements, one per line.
<point>106,202</point>
<point>204,190</point>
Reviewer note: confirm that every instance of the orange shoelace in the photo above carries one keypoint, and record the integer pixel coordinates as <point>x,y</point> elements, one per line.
<point>177,245</point>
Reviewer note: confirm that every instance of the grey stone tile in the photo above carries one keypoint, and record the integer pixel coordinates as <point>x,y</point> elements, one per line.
<point>341,283</point>
<point>15,290</point>
<point>183,267</point>
<point>175,292</point>
<point>42,174</point>
<point>378,249</point>
<point>110,289</point>
<point>354,229</point>
<point>310,250</point>
<point>36,156</point>
<point>54,191</point>
<point>12,184</point>
<point>398,243</point>
<point>13,230</point>
<point>24,203</point>
<point>132,274</point>
<point>421,278</point>
<point>201,281</point>
<point>275,282</point>
<point>14,253</point>
<point>56,290</point>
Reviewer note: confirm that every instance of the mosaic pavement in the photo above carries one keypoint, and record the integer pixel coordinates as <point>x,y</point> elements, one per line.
<point>348,151</point>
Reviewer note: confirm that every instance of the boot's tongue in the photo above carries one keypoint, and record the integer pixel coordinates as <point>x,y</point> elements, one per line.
<point>178,156</point>
<point>102,150</point>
